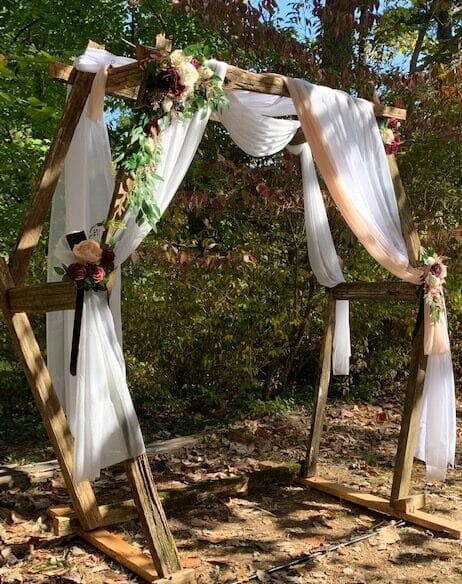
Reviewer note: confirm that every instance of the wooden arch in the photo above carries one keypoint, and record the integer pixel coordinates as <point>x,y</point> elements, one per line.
<point>17,300</point>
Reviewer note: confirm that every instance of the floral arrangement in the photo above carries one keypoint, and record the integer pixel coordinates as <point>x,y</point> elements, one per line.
<point>176,85</point>
<point>435,272</point>
<point>92,266</point>
<point>389,134</point>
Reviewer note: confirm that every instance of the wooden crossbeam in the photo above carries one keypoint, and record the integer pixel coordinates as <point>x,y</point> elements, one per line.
<point>380,505</point>
<point>124,82</point>
<point>42,298</point>
<point>375,291</point>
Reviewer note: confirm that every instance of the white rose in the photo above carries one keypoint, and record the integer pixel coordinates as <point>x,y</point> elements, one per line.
<point>432,280</point>
<point>167,104</point>
<point>177,58</point>
<point>206,73</point>
<point>430,261</point>
<point>387,136</point>
<point>188,75</point>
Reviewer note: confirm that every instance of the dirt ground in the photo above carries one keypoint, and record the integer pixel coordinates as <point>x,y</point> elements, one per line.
<point>230,538</point>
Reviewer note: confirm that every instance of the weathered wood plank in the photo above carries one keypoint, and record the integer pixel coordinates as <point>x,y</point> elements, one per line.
<point>320,398</point>
<point>65,521</point>
<point>38,377</point>
<point>124,82</point>
<point>375,291</point>
<point>408,227</point>
<point>379,505</point>
<point>129,556</point>
<point>40,201</point>
<point>410,421</point>
<point>43,297</point>
<point>151,513</point>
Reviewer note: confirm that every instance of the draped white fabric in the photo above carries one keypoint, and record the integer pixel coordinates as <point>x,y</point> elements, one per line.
<point>351,141</point>
<point>97,401</point>
<point>251,122</point>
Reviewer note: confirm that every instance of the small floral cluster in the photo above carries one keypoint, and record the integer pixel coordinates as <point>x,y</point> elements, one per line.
<point>176,85</point>
<point>435,272</point>
<point>390,137</point>
<point>92,266</point>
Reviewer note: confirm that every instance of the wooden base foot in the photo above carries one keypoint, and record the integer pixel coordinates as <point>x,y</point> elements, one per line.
<point>410,504</point>
<point>129,556</point>
<point>380,505</point>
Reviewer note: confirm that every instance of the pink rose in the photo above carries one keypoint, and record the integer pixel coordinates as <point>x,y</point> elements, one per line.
<point>96,273</point>
<point>76,272</point>
<point>107,257</point>
<point>195,63</point>
<point>87,252</point>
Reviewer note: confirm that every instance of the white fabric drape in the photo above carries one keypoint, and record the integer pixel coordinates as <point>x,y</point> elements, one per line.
<point>97,402</point>
<point>353,161</point>
<point>251,123</point>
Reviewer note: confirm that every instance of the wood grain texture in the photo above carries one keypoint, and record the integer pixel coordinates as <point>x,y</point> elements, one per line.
<point>38,377</point>
<point>408,227</point>
<point>43,297</point>
<point>410,421</point>
<point>375,291</point>
<point>151,513</point>
<point>129,556</point>
<point>320,398</point>
<point>380,505</point>
<point>40,201</point>
<point>124,82</point>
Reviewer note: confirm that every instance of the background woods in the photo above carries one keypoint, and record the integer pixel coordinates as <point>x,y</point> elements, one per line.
<point>232,316</point>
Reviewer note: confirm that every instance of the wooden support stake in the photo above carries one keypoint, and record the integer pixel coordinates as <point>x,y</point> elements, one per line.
<point>410,421</point>
<point>157,532</point>
<point>320,399</point>
<point>41,199</point>
<point>38,377</point>
<point>380,505</point>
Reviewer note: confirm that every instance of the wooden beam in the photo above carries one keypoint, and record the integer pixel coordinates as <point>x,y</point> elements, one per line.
<point>40,201</point>
<point>320,399</point>
<point>408,227</point>
<point>124,82</point>
<point>410,421</point>
<point>380,505</point>
<point>65,520</point>
<point>410,504</point>
<point>43,297</point>
<point>38,377</point>
<point>129,556</point>
<point>375,291</point>
<point>156,530</point>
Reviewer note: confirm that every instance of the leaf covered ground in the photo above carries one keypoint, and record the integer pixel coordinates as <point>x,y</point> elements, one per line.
<point>234,536</point>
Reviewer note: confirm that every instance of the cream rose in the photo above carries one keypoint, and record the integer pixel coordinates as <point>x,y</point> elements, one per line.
<point>178,58</point>
<point>188,75</point>
<point>432,280</point>
<point>206,73</point>
<point>87,252</point>
<point>387,136</point>
<point>167,104</point>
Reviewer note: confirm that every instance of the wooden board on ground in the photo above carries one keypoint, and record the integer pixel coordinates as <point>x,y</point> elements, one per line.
<point>380,505</point>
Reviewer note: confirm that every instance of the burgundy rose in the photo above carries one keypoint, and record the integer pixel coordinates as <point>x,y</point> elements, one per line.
<point>436,270</point>
<point>152,128</point>
<point>76,272</point>
<point>195,63</point>
<point>393,123</point>
<point>394,146</point>
<point>107,257</point>
<point>96,273</point>
<point>169,81</point>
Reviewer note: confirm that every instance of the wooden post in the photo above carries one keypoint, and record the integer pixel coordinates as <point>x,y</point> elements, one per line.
<point>38,377</point>
<point>410,421</point>
<point>322,389</point>
<point>39,204</point>
<point>159,538</point>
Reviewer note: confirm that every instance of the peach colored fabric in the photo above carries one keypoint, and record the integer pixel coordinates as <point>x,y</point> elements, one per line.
<point>436,336</point>
<point>96,98</point>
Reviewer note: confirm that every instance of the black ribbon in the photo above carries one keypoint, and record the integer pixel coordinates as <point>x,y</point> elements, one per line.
<point>74,239</point>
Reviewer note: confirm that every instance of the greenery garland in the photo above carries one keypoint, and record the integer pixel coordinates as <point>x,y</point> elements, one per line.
<point>176,85</point>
